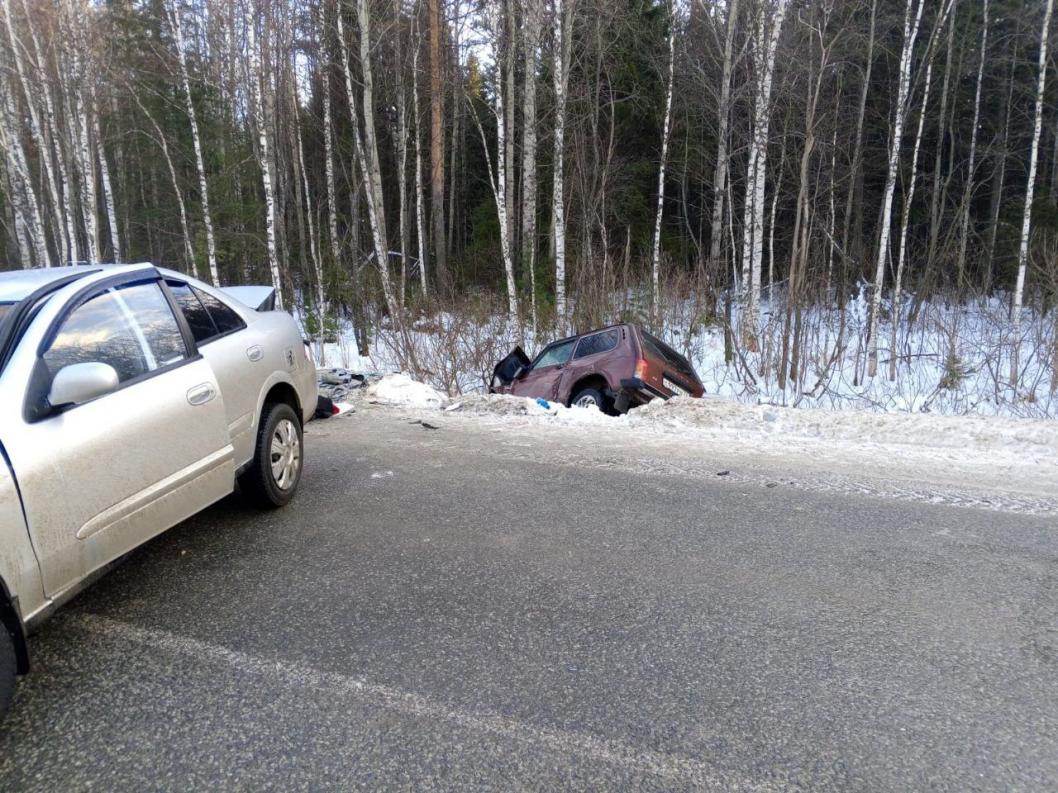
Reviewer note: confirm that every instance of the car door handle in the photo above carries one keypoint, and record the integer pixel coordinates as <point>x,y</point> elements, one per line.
<point>201,394</point>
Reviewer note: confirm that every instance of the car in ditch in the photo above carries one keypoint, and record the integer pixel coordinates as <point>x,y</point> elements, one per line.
<point>132,397</point>
<point>611,369</point>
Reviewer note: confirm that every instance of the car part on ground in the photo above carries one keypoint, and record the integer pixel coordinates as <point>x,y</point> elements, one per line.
<point>616,368</point>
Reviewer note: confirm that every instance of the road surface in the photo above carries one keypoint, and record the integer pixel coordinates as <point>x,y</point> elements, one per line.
<point>478,607</point>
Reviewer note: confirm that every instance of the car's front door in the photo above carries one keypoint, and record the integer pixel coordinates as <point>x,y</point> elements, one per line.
<point>543,377</point>
<point>101,477</point>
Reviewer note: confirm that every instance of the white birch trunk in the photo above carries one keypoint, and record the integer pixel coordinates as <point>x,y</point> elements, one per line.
<point>508,159</point>
<point>375,218</point>
<point>655,254</point>
<point>498,175</point>
<point>36,131</point>
<point>108,192</point>
<point>84,158</point>
<point>756,175</point>
<point>420,200</point>
<point>173,12</point>
<point>910,34</point>
<point>370,138</point>
<point>558,208</point>
<point>322,309</point>
<point>1026,219</point>
<point>328,165</point>
<point>968,188</point>
<point>905,217</point>
<point>65,184</point>
<point>264,159</point>
<point>533,21</point>
<point>28,221</point>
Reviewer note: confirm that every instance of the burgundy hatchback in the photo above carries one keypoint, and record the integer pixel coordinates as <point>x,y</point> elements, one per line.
<point>612,369</point>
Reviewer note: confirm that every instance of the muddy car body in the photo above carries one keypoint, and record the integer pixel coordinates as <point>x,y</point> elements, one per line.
<point>613,368</point>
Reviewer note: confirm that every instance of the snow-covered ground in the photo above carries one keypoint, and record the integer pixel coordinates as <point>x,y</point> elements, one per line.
<point>952,360</point>
<point>975,452</point>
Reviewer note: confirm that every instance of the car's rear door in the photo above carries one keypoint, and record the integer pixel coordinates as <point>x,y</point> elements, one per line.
<point>99,478</point>
<point>236,354</point>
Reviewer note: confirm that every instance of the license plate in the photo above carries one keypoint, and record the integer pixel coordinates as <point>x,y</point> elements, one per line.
<point>675,389</point>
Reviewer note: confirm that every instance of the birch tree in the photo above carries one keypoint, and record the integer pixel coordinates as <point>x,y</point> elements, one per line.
<point>37,133</point>
<point>498,173</point>
<point>263,159</point>
<point>905,217</point>
<point>24,199</point>
<point>558,207</point>
<point>1030,186</point>
<point>176,26</point>
<point>530,44</point>
<point>912,18</point>
<point>376,218</point>
<point>420,211</point>
<point>655,254</point>
<point>766,38</point>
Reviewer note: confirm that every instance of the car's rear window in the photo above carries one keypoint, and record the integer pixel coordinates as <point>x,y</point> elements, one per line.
<point>597,342</point>
<point>663,351</point>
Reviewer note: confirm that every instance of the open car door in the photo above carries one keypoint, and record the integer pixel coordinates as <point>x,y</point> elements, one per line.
<point>507,369</point>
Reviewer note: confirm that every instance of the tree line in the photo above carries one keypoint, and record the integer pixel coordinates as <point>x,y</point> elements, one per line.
<point>371,156</point>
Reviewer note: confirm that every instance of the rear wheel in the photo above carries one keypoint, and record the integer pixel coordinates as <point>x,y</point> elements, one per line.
<point>8,669</point>
<point>591,398</point>
<point>273,478</point>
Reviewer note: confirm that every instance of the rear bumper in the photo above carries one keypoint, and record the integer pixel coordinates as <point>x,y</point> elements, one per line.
<point>635,391</point>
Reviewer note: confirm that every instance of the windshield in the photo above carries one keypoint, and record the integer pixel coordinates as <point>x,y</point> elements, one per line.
<point>555,354</point>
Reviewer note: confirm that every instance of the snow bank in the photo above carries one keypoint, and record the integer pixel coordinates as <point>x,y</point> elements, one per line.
<point>510,406</point>
<point>400,390</point>
<point>1029,438</point>
<point>854,434</point>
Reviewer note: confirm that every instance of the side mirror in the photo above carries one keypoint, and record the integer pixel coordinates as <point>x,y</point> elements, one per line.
<point>81,382</point>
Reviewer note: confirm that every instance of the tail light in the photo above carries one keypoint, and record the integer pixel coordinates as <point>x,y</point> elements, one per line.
<point>307,349</point>
<point>642,369</point>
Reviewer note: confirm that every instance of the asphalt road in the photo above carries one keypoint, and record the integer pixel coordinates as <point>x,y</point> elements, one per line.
<point>467,608</point>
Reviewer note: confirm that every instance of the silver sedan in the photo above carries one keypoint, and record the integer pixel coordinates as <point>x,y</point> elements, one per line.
<point>131,397</point>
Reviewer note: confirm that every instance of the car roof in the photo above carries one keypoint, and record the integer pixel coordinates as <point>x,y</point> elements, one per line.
<point>16,285</point>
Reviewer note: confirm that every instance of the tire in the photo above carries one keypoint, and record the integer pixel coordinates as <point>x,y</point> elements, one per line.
<point>591,398</point>
<point>8,670</point>
<point>278,460</point>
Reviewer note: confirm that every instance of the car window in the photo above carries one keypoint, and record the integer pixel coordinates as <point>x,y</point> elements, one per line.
<point>224,317</point>
<point>155,319</point>
<point>202,327</point>
<point>131,328</point>
<point>5,309</point>
<point>555,354</point>
<point>663,351</point>
<point>207,316</point>
<point>597,342</point>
